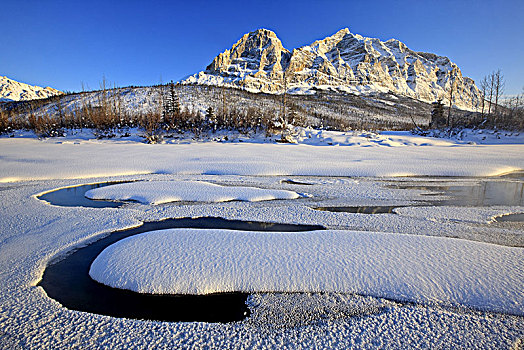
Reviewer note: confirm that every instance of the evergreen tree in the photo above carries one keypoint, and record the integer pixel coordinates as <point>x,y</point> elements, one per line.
<point>437,115</point>
<point>211,118</point>
<point>171,110</point>
<point>175,101</point>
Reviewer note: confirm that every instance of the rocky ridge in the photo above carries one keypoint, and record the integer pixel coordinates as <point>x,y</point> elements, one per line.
<point>11,90</point>
<point>345,62</point>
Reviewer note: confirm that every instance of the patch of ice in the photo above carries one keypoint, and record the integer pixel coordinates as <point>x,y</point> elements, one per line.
<point>273,311</point>
<point>404,267</point>
<point>481,215</point>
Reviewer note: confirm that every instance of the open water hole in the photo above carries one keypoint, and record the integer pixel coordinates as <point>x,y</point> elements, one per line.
<point>507,191</point>
<point>294,182</point>
<point>67,280</point>
<point>75,196</point>
<point>511,218</point>
<point>479,194</point>
<point>377,209</point>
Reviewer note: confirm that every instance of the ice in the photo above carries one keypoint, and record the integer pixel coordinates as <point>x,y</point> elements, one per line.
<point>158,192</point>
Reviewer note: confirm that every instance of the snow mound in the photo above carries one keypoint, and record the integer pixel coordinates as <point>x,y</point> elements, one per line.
<point>404,267</point>
<point>158,192</point>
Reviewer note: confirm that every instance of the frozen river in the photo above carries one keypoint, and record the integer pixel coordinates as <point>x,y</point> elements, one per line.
<point>442,211</point>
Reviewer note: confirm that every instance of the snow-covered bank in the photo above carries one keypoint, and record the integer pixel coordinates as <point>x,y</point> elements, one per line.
<point>406,267</point>
<point>30,159</point>
<point>32,233</point>
<point>158,192</point>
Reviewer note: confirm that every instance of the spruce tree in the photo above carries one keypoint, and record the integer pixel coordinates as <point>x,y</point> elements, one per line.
<point>211,118</point>
<point>437,114</point>
<point>171,110</point>
<point>175,102</point>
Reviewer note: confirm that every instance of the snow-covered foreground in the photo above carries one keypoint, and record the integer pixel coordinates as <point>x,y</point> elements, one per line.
<point>376,155</point>
<point>158,192</point>
<point>402,267</point>
<point>33,232</point>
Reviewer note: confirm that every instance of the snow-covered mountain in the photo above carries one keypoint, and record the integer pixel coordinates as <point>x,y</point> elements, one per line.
<point>11,90</point>
<point>345,62</point>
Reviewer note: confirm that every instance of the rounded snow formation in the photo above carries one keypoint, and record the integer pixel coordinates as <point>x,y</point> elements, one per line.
<point>403,267</point>
<point>158,192</point>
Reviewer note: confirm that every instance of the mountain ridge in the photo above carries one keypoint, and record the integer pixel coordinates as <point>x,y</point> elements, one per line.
<point>346,62</point>
<point>12,90</point>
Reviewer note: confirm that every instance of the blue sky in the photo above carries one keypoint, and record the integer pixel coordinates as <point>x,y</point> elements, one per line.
<point>66,43</point>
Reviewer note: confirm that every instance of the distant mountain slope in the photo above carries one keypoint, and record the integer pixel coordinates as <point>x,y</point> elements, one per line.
<point>11,90</point>
<point>345,62</point>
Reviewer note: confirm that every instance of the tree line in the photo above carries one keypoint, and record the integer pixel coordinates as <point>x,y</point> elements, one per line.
<point>495,110</point>
<point>108,116</point>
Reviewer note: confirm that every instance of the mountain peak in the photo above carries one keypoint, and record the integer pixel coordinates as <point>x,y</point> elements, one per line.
<point>343,61</point>
<point>342,32</point>
<point>259,53</point>
<point>12,90</point>
<point>263,32</point>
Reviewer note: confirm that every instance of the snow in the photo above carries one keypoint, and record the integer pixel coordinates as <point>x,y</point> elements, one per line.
<point>366,154</point>
<point>405,267</point>
<point>33,233</point>
<point>11,90</point>
<point>485,215</point>
<point>158,192</point>
<point>376,66</point>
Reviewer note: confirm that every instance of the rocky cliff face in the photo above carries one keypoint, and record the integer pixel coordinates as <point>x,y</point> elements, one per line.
<point>344,61</point>
<point>11,90</point>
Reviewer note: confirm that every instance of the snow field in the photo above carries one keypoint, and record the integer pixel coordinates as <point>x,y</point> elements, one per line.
<point>158,192</point>
<point>404,267</point>
<point>29,159</point>
<point>29,319</point>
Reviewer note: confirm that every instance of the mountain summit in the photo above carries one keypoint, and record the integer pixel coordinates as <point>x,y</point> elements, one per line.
<point>259,54</point>
<point>11,90</point>
<point>344,61</point>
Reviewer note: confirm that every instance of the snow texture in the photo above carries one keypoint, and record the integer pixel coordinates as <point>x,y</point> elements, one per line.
<point>33,233</point>
<point>366,155</point>
<point>404,267</point>
<point>158,192</point>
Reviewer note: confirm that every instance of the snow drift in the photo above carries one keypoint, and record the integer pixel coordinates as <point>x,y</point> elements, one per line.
<point>158,192</point>
<point>405,267</point>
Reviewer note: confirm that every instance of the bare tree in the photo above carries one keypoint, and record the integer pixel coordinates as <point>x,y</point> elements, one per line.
<point>283,114</point>
<point>224,102</point>
<point>4,120</point>
<point>284,95</point>
<point>498,83</point>
<point>162,97</point>
<point>59,109</point>
<point>452,89</point>
<point>491,85</point>
<point>484,87</point>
